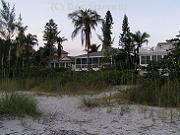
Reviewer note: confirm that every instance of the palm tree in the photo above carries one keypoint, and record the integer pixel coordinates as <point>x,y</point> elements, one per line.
<point>139,39</point>
<point>60,40</point>
<point>30,42</point>
<point>20,38</point>
<point>84,21</point>
<point>94,48</point>
<point>24,43</point>
<point>7,27</point>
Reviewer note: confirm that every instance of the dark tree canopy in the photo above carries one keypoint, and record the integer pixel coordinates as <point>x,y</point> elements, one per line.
<point>126,43</point>
<point>107,30</point>
<point>84,22</point>
<point>50,37</point>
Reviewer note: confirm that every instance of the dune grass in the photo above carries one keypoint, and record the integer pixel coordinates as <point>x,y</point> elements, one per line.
<point>148,90</point>
<point>163,92</point>
<point>68,82</point>
<point>119,98</point>
<point>90,103</point>
<point>13,104</point>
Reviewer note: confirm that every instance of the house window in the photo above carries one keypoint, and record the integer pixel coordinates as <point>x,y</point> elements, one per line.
<point>62,65</point>
<point>57,65</point>
<point>145,59</point>
<point>90,60</point>
<point>95,60</point>
<point>84,61</point>
<point>101,60</point>
<point>78,61</point>
<point>159,57</point>
<point>68,64</point>
<point>156,57</point>
<point>52,65</point>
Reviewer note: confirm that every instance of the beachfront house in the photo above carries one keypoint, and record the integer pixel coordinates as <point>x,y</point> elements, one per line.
<point>64,62</point>
<point>96,61</point>
<point>154,54</point>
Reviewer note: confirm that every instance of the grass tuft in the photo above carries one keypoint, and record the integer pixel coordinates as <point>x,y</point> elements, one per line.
<point>157,92</point>
<point>13,104</point>
<point>90,103</point>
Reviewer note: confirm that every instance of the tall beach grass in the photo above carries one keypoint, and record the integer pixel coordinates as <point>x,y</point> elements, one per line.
<point>13,104</point>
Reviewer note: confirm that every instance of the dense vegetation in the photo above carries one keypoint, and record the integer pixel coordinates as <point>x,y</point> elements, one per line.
<point>163,92</point>
<point>24,68</point>
<point>56,80</point>
<point>13,104</point>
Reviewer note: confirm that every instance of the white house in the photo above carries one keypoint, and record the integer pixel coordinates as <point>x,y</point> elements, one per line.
<point>95,61</point>
<point>64,62</point>
<point>155,54</point>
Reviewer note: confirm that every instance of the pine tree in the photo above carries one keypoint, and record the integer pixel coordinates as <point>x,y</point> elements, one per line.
<point>107,32</point>
<point>106,38</point>
<point>172,60</point>
<point>50,36</point>
<point>126,44</point>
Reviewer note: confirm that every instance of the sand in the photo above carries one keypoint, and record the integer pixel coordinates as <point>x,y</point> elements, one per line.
<point>65,116</point>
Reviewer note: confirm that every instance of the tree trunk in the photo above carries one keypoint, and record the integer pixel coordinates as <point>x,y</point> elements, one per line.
<point>2,66</point>
<point>9,60</point>
<point>59,51</point>
<point>137,56</point>
<point>88,43</point>
<point>88,61</point>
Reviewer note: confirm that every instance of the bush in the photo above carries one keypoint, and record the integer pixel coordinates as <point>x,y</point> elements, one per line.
<point>56,81</point>
<point>157,92</point>
<point>14,104</point>
<point>90,103</point>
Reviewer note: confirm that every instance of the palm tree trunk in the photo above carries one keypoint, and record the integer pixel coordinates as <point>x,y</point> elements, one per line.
<point>2,66</point>
<point>9,60</point>
<point>137,56</point>
<point>88,61</point>
<point>88,43</point>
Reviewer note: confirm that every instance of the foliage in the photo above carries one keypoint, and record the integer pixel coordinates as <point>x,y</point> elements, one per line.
<point>57,81</point>
<point>153,70</point>
<point>14,104</point>
<point>139,39</point>
<point>106,38</point>
<point>50,36</point>
<point>59,41</point>
<point>84,21</point>
<point>171,63</point>
<point>94,48</point>
<point>90,103</point>
<point>126,43</point>
<point>104,101</point>
<point>160,86</point>
<point>16,47</point>
<point>107,31</point>
<point>156,92</point>
<point>7,21</point>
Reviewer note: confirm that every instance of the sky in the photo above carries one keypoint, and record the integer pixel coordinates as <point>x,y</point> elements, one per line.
<point>159,18</point>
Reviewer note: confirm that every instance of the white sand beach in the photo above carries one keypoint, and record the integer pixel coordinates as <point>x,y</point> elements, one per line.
<point>65,116</point>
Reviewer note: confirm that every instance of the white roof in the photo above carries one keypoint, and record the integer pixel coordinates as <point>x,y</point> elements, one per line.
<point>160,49</point>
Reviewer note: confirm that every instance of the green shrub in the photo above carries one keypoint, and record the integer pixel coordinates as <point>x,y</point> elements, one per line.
<point>157,92</point>
<point>12,84</point>
<point>53,81</point>
<point>14,104</point>
<point>90,103</point>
